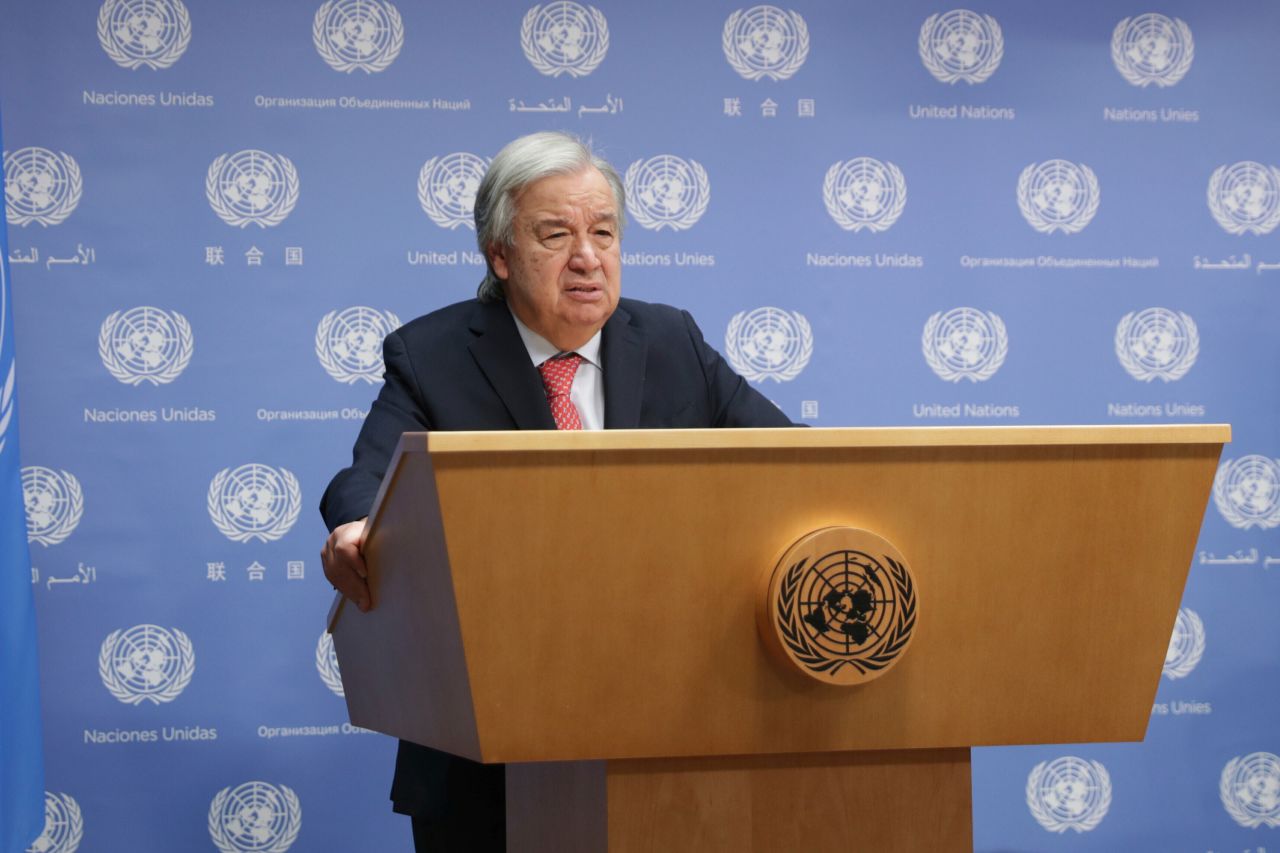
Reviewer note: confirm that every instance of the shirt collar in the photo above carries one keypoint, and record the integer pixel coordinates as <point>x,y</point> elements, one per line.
<point>540,349</point>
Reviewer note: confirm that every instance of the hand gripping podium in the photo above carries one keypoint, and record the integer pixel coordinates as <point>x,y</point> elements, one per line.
<point>593,608</point>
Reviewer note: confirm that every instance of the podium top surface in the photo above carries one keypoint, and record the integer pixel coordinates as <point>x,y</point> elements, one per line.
<point>818,438</point>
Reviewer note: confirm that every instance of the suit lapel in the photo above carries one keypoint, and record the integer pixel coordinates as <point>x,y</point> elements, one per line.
<point>622,350</point>
<point>502,357</point>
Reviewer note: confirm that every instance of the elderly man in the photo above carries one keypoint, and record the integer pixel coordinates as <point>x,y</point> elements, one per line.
<point>548,344</point>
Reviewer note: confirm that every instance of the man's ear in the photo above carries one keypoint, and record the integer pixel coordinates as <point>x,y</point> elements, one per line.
<point>498,260</point>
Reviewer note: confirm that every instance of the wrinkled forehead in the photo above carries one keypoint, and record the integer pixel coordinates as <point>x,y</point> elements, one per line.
<point>579,196</point>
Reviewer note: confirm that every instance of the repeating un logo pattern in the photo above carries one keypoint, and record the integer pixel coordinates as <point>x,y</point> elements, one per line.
<point>146,663</point>
<point>1250,790</point>
<point>1152,48</point>
<point>252,186</point>
<point>1069,793</point>
<point>667,192</point>
<point>254,502</point>
<point>447,188</point>
<point>255,817</point>
<point>349,343</point>
<point>54,503</point>
<point>1157,343</point>
<point>961,45</point>
<point>765,42</point>
<point>768,343</point>
<point>327,664</point>
<point>1247,492</point>
<point>864,193</point>
<point>1243,197</point>
<point>564,38</point>
<point>364,34</point>
<point>964,343</point>
<point>1058,196</point>
<point>1186,646</point>
<point>40,186</point>
<point>145,344</point>
<point>63,825</point>
<point>137,33</point>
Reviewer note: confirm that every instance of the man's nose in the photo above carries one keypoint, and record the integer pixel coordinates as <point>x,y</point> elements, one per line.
<point>584,256</point>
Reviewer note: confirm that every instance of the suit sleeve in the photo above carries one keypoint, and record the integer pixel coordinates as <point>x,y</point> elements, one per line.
<point>734,402</point>
<point>398,408</point>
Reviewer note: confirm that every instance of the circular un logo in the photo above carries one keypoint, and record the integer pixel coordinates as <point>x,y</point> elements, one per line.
<point>145,344</point>
<point>1058,196</point>
<point>349,343</point>
<point>961,45</point>
<point>840,606</point>
<point>54,503</point>
<point>1152,48</point>
<point>63,825</point>
<point>1247,492</point>
<point>1069,793</point>
<point>864,193</point>
<point>1186,646</point>
<point>255,817</point>
<point>327,664</point>
<point>447,188</point>
<point>1250,790</point>
<point>364,34</point>
<point>765,42</point>
<point>964,343</point>
<point>667,192</point>
<point>1243,198</point>
<point>146,663</point>
<point>1157,342</point>
<point>150,33</point>
<point>252,186</point>
<point>40,186</point>
<point>564,38</point>
<point>254,502</point>
<point>768,343</point>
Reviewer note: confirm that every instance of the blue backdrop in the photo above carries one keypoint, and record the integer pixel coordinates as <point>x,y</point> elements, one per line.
<point>883,215</point>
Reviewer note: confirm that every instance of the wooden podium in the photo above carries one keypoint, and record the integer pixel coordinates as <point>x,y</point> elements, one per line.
<point>582,606</point>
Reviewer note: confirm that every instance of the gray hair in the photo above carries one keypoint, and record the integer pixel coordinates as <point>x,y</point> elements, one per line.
<point>523,161</point>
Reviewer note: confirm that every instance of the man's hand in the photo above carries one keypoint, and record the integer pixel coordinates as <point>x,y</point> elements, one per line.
<point>344,564</point>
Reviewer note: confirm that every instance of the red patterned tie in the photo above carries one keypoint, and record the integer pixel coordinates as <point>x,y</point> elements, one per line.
<point>557,378</point>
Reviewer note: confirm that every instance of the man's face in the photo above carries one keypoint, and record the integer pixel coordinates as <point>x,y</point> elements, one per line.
<point>564,269</point>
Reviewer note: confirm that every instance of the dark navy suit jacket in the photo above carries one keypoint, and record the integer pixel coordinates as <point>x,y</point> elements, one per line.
<point>465,367</point>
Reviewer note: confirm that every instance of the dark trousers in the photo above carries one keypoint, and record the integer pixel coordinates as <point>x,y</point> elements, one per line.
<point>473,818</point>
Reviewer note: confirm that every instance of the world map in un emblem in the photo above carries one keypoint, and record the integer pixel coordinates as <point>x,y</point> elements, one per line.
<point>363,34</point>
<point>252,187</point>
<point>146,663</point>
<point>327,664</point>
<point>54,503</point>
<point>255,817</point>
<point>841,606</point>
<point>964,343</point>
<point>564,38</point>
<point>1247,492</point>
<point>1157,343</point>
<point>768,343</point>
<point>1245,197</point>
<point>864,193</point>
<point>961,45</point>
<point>1186,646</point>
<point>254,502</point>
<point>63,825</point>
<point>1057,195</point>
<point>40,186</point>
<point>349,343</point>
<point>1151,49</point>
<point>447,188</point>
<point>144,33</point>
<point>667,192</point>
<point>765,42</point>
<point>1069,793</point>
<point>1250,790</point>
<point>145,344</point>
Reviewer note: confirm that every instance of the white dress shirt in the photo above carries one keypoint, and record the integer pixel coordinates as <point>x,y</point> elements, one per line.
<point>587,392</point>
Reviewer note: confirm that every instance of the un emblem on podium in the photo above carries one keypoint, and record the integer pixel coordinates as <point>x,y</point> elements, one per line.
<point>840,606</point>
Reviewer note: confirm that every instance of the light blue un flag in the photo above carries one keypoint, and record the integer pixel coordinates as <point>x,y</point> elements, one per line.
<point>21,748</point>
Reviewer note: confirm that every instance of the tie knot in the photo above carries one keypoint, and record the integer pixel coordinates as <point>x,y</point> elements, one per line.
<point>557,373</point>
